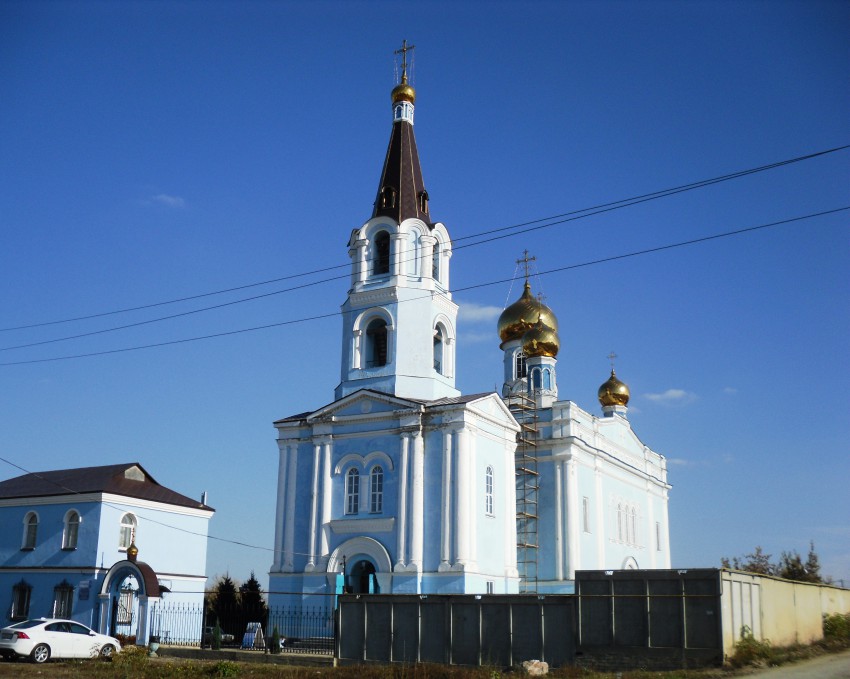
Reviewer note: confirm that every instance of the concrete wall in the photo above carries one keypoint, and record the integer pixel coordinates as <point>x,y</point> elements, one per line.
<point>780,611</point>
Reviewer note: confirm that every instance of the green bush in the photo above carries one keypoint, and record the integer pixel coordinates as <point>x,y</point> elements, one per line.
<point>750,651</point>
<point>836,626</point>
<point>274,642</point>
<point>216,637</point>
<point>224,668</point>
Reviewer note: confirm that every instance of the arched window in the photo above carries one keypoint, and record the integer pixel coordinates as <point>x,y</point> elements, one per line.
<point>375,351</point>
<point>547,379</point>
<point>376,490</point>
<point>128,531</point>
<point>423,202</point>
<point>488,491</point>
<point>352,491</point>
<point>70,533</point>
<point>520,369</point>
<point>381,254</point>
<point>535,378</point>
<point>620,523</point>
<point>438,350</point>
<point>30,531</point>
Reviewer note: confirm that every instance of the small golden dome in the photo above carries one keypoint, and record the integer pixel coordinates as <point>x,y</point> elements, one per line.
<point>132,551</point>
<point>523,315</point>
<point>403,92</point>
<point>613,392</point>
<point>541,340</point>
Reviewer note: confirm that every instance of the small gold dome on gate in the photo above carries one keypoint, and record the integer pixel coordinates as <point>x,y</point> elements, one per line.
<point>523,315</point>
<point>132,552</point>
<point>613,392</point>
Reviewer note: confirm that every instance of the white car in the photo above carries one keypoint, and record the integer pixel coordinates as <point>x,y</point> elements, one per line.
<point>47,638</point>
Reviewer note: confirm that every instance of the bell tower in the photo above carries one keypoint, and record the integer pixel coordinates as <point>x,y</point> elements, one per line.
<point>399,321</point>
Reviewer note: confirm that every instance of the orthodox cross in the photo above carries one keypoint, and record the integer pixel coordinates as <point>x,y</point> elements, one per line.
<point>403,52</point>
<point>611,358</point>
<point>525,261</point>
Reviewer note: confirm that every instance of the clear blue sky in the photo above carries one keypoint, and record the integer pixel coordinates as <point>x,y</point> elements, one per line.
<point>154,151</point>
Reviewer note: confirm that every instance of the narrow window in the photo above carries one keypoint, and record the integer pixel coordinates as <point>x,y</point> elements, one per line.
<point>658,536</point>
<point>127,533</point>
<point>491,587</point>
<point>520,369</point>
<point>423,202</point>
<point>352,491</point>
<point>547,379</point>
<point>435,262</point>
<point>63,600</point>
<point>381,254</point>
<point>376,490</point>
<point>71,531</point>
<point>30,531</point>
<point>376,343</point>
<point>634,526</point>
<point>388,197</point>
<point>438,349</point>
<point>535,376</point>
<point>585,510</point>
<point>21,600</point>
<point>488,491</point>
<point>620,522</point>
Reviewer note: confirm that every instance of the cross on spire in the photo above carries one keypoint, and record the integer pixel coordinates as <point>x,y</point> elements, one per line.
<point>611,358</point>
<point>525,261</point>
<point>405,48</point>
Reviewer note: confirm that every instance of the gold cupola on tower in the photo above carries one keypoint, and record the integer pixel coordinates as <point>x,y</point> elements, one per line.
<point>540,340</point>
<point>523,315</point>
<point>404,91</point>
<point>613,392</point>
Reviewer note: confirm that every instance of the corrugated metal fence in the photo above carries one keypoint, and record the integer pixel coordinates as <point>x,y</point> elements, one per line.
<point>456,629</point>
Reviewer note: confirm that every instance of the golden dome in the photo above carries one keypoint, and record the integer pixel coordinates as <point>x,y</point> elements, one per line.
<point>541,340</point>
<point>613,392</point>
<point>523,315</point>
<point>403,92</point>
<point>132,551</point>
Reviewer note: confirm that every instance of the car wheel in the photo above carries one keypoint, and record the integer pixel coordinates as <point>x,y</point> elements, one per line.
<point>107,651</point>
<point>40,653</point>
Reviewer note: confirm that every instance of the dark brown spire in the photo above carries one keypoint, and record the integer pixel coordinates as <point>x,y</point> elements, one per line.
<point>401,191</point>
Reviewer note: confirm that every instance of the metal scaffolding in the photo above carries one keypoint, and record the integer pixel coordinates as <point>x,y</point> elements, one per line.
<point>524,409</point>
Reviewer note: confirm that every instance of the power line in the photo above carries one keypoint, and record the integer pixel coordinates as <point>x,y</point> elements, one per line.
<point>515,228</point>
<point>603,260</point>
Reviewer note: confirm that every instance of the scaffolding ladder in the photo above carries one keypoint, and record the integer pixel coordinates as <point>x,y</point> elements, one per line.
<point>524,409</point>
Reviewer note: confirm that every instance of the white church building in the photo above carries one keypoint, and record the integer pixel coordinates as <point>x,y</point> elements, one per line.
<point>404,485</point>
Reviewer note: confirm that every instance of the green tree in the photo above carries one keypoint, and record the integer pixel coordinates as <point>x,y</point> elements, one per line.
<point>757,562</point>
<point>790,565</point>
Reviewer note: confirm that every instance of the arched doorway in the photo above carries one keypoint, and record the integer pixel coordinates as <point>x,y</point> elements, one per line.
<point>361,579</point>
<point>125,596</point>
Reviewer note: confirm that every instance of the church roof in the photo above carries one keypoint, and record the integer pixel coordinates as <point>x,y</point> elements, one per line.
<point>129,479</point>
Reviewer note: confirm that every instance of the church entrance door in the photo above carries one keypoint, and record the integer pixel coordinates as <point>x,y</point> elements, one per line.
<point>362,578</point>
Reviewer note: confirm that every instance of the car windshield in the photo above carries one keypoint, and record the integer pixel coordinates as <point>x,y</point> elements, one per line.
<point>26,624</point>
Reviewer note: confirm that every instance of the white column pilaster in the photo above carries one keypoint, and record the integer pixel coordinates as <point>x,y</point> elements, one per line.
<point>417,509</point>
<point>600,527</point>
<point>288,556</point>
<point>314,506</point>
<point>510,510</point>
<point>572,507</point>
<point>559,522</point>
<point>446,499</point>
<point>327,496</point>
<point>282,469</point>
<point>462,500</point>
<point>401,530</point>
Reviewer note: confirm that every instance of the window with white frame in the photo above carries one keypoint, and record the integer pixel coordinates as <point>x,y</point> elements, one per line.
<point>127,532</point>
<point>381,254</point>
<point>375,349</point>
<point>488,491</point>
<point>376,490</point>
<point>491,587</point>
<point>352,491</point>
<point>439,365</point>
<point>520,369</point>
<point>21,600</point>
<point>658,536</point>
<point>620,523</point>
<point>30,531</point>
<point>63,600</point>
<point>71,531</point>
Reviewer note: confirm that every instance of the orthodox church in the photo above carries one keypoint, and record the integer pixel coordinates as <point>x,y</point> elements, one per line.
<point>404,485</point>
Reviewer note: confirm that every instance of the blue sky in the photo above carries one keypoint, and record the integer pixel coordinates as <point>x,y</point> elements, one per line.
<point>155,151</point>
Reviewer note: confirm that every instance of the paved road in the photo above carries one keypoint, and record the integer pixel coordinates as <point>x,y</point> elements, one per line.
<point>832,666</point>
